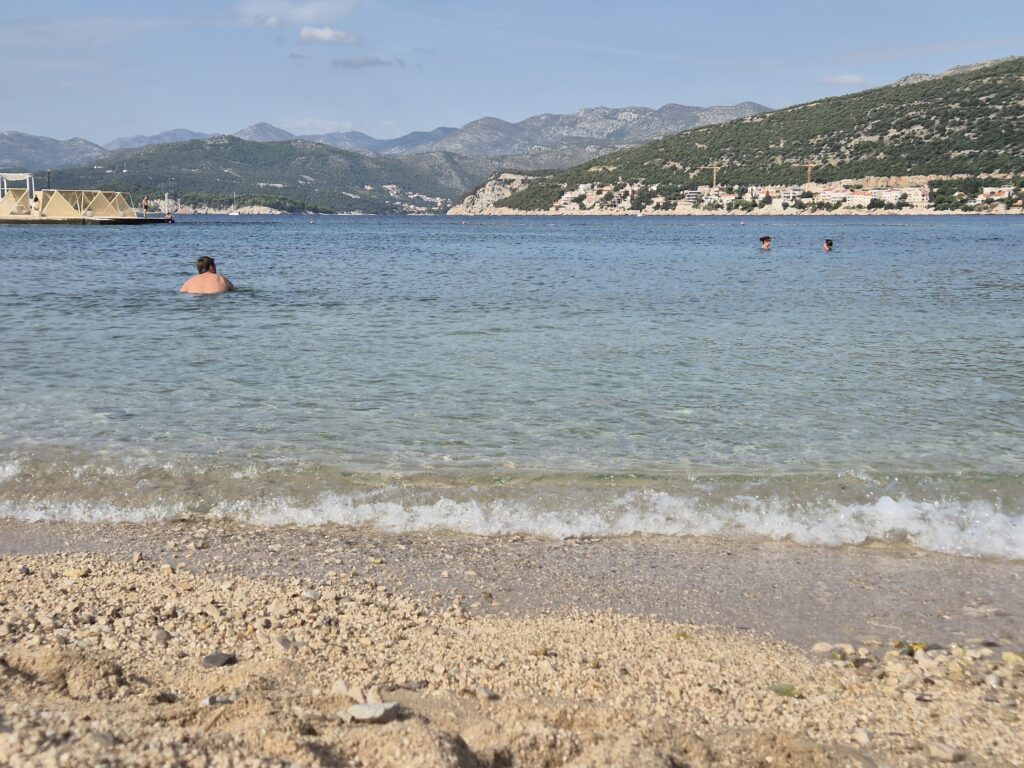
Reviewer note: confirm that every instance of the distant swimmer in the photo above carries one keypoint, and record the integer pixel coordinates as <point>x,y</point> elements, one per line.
<point>207,281</point>
<point>766,243</point>
<point>828,246</point>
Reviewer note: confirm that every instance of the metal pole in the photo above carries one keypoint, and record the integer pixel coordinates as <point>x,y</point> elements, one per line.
<point>49,185</point>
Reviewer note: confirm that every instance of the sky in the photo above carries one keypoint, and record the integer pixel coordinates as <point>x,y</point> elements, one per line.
<point>101,70</point>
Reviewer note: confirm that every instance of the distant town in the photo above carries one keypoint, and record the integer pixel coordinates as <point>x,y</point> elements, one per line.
<point>910,194</point>
<point>775,199</point>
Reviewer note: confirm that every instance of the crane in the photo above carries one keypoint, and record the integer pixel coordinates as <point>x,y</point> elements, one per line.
<point>714,167</point>
<point>808,166</point>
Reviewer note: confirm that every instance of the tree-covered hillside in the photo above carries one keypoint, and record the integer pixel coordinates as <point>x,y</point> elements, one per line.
<point>968,122</point>
<point>288,175</point>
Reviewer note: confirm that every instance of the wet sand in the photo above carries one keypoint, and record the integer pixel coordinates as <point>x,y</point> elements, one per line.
<point>501,651</point>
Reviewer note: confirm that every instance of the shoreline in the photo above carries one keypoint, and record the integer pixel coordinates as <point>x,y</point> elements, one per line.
<point>684,214</point>
<point>797,593</point>
<point>587,652</point>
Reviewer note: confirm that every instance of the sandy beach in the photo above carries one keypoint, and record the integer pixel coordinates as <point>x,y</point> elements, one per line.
<point>214,643</point>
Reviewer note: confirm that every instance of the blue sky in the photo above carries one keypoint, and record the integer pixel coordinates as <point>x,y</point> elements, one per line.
<point>387,67</point>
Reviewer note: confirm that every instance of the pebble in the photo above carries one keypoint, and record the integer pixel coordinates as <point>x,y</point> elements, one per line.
<point>862,736</point>
<point>373,713</point>
<point>944,753</point>
<point>285,643</point>
<point>161,636</point>
<point>167,569</point>
<point>822,648</point>
<point>486,694</point>
<point>219,659</point>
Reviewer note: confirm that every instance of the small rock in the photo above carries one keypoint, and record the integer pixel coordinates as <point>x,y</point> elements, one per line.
<point>944,753</point>
<point>373,695</point>
<point>486,694</point>
<point>285,643</point>
<point>167,569</point>
<point>102,740</point>
<point>77,573</point>
<point>862,736</point>
<point>25,571</point>
<point>137,557</point>
<point>340,688</point>
<point>161,636</point>
<point>821,648</point>
<point>373,713</point>
<point>219,659</point>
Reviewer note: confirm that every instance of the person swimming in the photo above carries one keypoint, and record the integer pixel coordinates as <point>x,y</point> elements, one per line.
<point>827,246</point>
<point>207,281</point>
<point>766,243</point>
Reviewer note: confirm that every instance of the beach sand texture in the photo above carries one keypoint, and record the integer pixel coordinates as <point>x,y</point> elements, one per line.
<point>107,659</point>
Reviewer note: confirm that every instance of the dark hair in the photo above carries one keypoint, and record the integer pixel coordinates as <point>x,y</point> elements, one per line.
<point>765,239</point>
<point>205,264</point>
<point>828,243</point>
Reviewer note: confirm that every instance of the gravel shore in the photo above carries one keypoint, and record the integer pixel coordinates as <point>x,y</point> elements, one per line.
<point>182,653</point>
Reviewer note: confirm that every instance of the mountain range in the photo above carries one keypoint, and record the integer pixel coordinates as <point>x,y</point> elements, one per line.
<point>290,175</point>
<point>542,141</point>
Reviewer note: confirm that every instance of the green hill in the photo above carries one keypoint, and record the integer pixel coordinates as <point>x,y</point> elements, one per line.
<point>968,121</point>
<point>288,175</point>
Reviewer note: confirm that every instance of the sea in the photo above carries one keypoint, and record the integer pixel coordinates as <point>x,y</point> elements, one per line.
<point>553,376</point>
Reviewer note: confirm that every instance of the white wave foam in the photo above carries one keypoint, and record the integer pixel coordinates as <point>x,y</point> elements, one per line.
<point>976,528</point>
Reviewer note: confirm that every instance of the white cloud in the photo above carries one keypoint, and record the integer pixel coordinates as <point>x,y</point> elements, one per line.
<point>843,80</point>
<point>283,13</point>
<point>328,35</point>
<point>363,62</point>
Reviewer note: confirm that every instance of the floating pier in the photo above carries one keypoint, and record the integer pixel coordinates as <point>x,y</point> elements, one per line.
<point>65,206</point>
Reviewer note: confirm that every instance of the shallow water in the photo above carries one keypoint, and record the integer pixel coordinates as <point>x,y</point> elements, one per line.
<point>563,376</point>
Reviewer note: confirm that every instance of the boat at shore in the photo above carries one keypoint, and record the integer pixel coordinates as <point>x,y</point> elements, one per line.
<point>27,205</point>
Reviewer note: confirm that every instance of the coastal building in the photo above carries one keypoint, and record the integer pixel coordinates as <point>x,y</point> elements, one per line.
<point>996,193</point>
<point>790,194</point>
<point>860,197</point>
<point>833,195</point>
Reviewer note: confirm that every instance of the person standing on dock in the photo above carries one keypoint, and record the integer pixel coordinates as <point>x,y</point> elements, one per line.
<point>145,207</point>
<point>207,281</point>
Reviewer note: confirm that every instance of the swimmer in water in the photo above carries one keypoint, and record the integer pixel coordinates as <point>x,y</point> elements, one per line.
<point>828,246</point>
<point>207,281</point>
<point>766,243</point>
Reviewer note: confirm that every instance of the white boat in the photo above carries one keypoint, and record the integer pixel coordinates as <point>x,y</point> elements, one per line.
<point>234,205</point>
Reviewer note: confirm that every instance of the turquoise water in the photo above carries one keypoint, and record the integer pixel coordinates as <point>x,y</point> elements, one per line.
<point>561,376</point>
